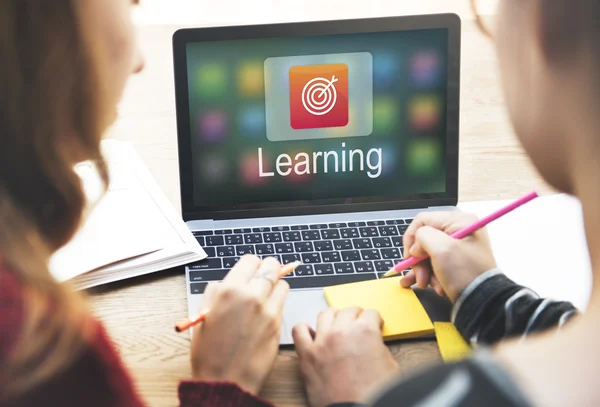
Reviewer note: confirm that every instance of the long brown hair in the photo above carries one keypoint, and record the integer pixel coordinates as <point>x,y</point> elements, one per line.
<point>50,119</point>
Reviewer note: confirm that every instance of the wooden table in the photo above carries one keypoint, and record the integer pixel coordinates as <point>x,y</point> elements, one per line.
<point>140,313</point>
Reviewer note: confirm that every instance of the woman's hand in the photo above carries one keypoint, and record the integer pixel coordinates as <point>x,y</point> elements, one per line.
<point>453,263</point>
<point>345,359</point>
<point>239,339</point>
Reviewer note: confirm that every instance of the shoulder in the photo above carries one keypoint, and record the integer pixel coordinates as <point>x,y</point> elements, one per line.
<point>11,309</point>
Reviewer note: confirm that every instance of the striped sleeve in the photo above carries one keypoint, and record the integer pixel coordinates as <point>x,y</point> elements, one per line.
<point>493,308</point>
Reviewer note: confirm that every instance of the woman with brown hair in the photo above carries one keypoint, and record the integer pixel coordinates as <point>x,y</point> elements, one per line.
<point>64,67</point>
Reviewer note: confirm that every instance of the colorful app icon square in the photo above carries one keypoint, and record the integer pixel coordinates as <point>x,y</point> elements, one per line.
<point>213,168</point>
<point>251,120</point>
<point>211,80</point>
<point>424,113</point>
<point>251,79</point>
<point>350,75</point>
<point>212,125</point>
<point>253,168</point>
<point>426,68</point>
<point>386,68</point>
<point>318,96</point>
<point>424,156</point>
<point>386,114</point>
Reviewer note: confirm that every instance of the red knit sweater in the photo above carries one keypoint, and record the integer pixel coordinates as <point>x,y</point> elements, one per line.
<point>97,378</point>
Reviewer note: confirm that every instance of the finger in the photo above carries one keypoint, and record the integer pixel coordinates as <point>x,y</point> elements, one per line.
<point>302,338</point>
<point>409,279</point>
<point>346,316</point>
<point>265,278</point>
<point>208,297</point>
<point>422,275</point>
<point>276,300</point>
<point>433,241</point>
<point>447,221</point>
<point>325,320</point>
<point>372,318</point>
<point>243,270</point>
<point>436,285</point>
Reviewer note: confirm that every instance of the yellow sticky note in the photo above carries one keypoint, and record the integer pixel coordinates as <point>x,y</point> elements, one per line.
<point>452,345</point>
<point>402,313</point>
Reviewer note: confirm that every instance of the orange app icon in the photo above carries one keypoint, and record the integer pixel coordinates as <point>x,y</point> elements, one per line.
<point>318,96</point>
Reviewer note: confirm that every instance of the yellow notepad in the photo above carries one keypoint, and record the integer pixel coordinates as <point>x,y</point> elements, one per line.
<point>453,347</point>
<point>402,312</point>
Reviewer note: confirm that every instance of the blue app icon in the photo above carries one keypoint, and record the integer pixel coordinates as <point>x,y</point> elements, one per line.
<point>386,68</point>
<point>251,120</point>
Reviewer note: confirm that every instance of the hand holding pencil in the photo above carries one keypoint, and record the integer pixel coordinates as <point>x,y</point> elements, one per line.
<point>239,337</point>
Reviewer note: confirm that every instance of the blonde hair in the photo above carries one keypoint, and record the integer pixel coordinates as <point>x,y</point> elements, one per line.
<point>50,119</point>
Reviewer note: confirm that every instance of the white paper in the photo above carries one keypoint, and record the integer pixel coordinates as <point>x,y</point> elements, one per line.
<point>542,245</point>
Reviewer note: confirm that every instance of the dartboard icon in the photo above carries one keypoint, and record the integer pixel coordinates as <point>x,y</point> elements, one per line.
<point>319,96</point>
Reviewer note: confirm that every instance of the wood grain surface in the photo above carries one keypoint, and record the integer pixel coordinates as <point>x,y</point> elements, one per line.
<point>140,313</point>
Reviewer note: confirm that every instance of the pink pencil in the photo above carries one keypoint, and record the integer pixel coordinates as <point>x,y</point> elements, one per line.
<point>411,261</point>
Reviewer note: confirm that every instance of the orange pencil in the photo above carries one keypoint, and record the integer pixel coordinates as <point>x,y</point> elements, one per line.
<point>190,322</point>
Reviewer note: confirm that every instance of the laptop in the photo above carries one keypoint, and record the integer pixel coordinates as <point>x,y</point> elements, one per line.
<point>317,142</point>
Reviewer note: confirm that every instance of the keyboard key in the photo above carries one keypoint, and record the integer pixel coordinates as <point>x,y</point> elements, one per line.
<point>280,228</point>
<point>234,239</point>
<point>206,264</point>
<point>319,226</point>
<point>202,232</point>
<point>402,228</point>
<point>384,265</point>
<point>362,243</point>
<point>244,230</point>
<point>223,251</point>
<point>326,281</point>
<point>371,254</point>
<point>323,245</point>
<point>364,267</point>
<point>208,275</point>
<point>274,256</point>
<point>291,236</point>
<point>343,268</point>
<point>229,262</point>
<point>311,258</point>
<point>349,233</point>
<point>273,237</point>
<point>215,241</point>
<point>345,244</point>
<point>395,222</point>
<point>299,227</point>
<point>388,231</point>
<point>198,288</point>
<point>304,270</point>
<point>302,247</point>
<point>244,249</point>
<point>408,221</point>
<point>356,224</point>
<point>200,240</point>
<point>350,255</point>
<point>264,249</point>
<point>261,230</point>
<point>253,238</point>
<point>331,257</point>
<point>323,269</point>
<point>284,248</point>
<point>210,251</point>
<point>375,223</point>
<point>368,232</point>
<point>397,241</point>
<point>223,232</point>
<point>311,235</point>
<point>382,242</point>
<point>337,225</point>
<point>290,258</point>
<point>390,254</point>
<point>330,234</point>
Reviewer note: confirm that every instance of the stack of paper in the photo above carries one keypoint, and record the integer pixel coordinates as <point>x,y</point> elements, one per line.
<point>131,231</point>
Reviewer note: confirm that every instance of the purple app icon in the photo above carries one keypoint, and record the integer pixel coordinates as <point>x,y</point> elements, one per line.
<point>426,68</point>
<point>212,125</point>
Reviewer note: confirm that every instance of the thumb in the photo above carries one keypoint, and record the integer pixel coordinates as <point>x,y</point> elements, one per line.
<point>430,241</point>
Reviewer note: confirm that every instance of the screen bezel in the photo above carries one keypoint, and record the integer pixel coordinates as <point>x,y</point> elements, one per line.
<point>182,37</point>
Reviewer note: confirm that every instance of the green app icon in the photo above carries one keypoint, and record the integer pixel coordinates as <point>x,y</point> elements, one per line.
<point>386,114</point>
<point>211,81</point>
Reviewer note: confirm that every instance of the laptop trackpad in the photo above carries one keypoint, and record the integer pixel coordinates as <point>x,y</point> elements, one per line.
<point>301,306</point>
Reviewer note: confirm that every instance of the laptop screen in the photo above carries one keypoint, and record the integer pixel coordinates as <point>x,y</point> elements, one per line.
<point>351,117</point>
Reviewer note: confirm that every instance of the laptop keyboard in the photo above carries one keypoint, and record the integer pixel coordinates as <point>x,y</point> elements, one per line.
<point>331,254</point>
